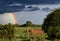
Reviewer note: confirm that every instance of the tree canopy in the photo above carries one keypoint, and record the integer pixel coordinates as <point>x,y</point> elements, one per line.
<point>52,19</point>
<point>51,24</point>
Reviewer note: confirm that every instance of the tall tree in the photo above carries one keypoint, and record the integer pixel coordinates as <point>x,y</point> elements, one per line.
<point>51,24</point>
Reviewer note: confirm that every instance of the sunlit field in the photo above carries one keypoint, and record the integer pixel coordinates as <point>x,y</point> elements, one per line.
<point>23,34</point>
<point>20,35</point>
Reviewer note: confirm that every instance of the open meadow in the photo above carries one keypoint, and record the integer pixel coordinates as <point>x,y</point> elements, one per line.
<point>27,33</point>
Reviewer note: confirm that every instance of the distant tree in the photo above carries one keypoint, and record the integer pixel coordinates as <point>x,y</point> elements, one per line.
<point>16,25</point>
<point>28,23</point>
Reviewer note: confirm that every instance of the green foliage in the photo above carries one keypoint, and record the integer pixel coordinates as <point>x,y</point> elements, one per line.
<point>31,37</point>
<point>7,31</point>
<point>28,23</point>
<point>35,25</point>
<point>51,24</point>
<point>16,25</point>
<point>54,32</point>
<point>28,36</point>
<point>52,19</point>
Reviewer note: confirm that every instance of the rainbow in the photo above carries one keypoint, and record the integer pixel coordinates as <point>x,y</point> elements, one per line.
<point>12,18</point>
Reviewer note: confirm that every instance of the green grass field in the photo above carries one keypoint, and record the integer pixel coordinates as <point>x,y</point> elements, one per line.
<point>19,31</point>
<point>20,35</point>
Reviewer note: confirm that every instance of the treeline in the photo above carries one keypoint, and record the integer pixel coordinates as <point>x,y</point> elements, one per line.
<point>27,24</point>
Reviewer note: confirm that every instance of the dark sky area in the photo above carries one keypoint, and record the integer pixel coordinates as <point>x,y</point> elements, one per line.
<point>5,3</point>
<point>30,1</point>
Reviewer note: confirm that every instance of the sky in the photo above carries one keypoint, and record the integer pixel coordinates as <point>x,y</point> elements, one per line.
<point>30,1</point>
<point>19,12</point>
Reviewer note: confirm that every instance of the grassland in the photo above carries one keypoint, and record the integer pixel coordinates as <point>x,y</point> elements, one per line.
<point>20,35</point>
<point>19,31</point>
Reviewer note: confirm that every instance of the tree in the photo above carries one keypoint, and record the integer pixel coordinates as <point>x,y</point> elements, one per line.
<point>54,32</point>
<point>51,24</point>
<point>53,19</point>
<point>28,23</point>
<point>16,25</point>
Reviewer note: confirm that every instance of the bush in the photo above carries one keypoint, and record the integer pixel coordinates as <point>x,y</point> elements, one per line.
<point>7,31</point>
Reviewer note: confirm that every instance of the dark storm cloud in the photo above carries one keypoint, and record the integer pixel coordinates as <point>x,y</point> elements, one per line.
<point>4,3</point>
<point>17,7</point>
<point>30,1</point>
<point>5,8</point>
<point>14,7</point>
